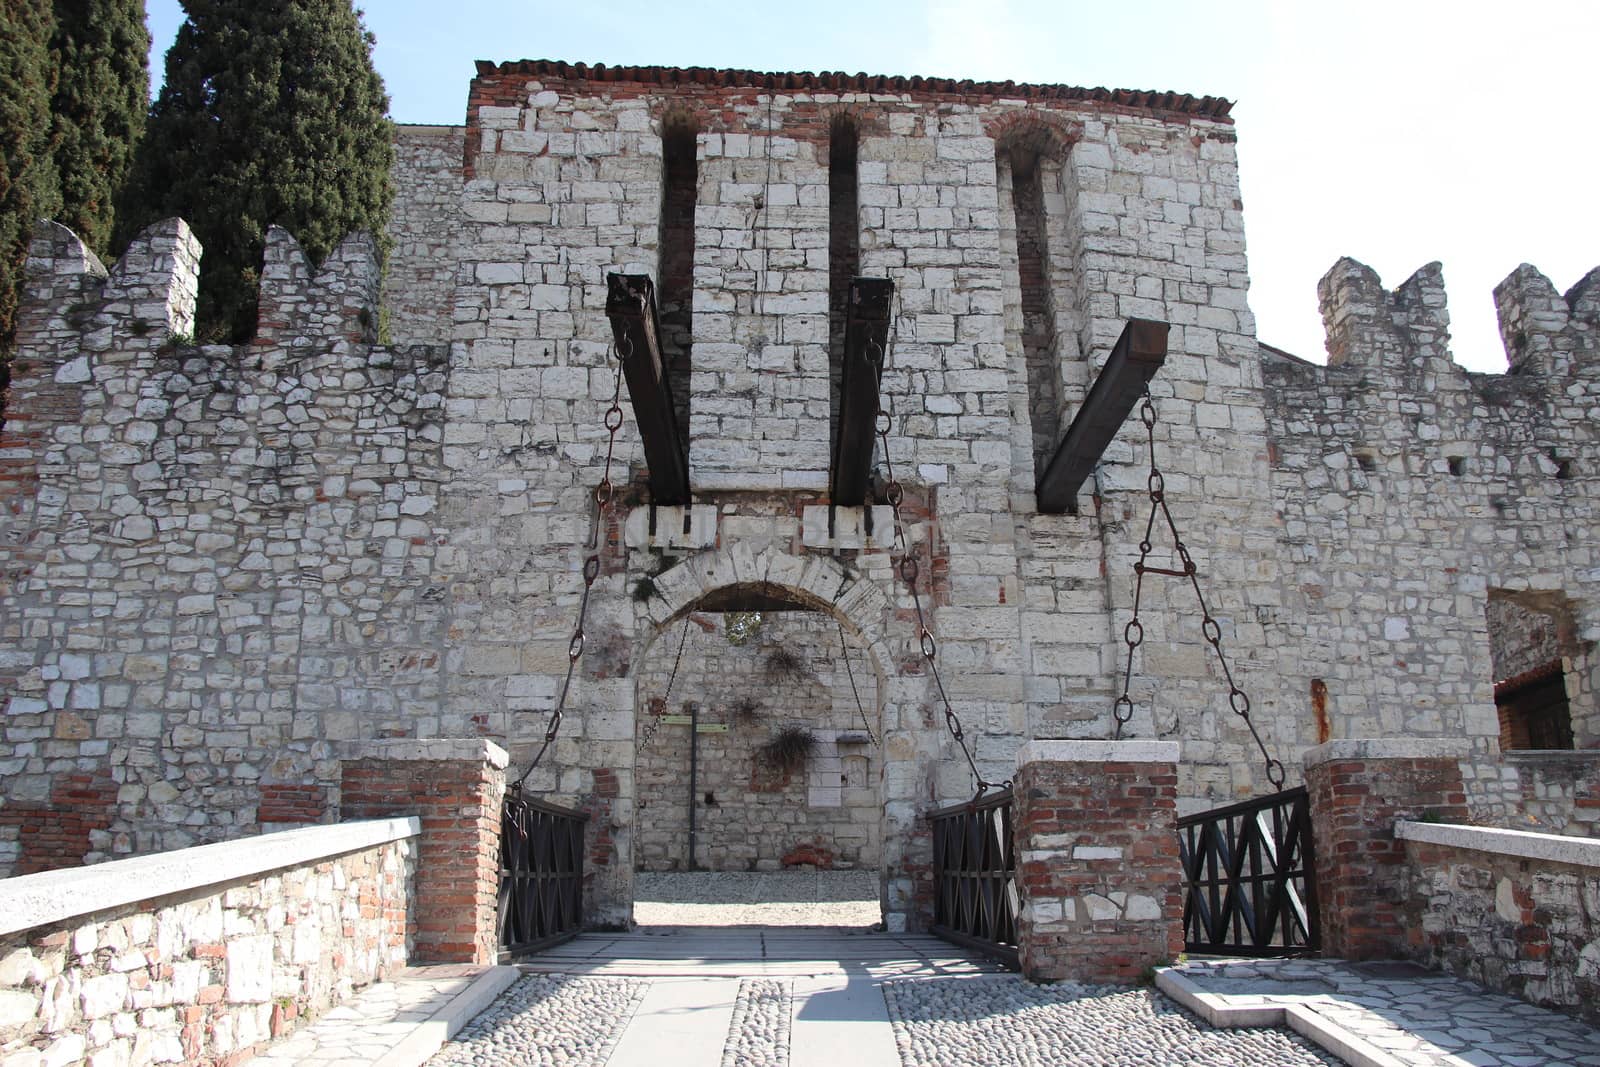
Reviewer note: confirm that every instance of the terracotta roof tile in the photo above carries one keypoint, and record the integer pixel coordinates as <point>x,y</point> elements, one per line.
<point>1213,107</point>
<point>1537,674</point>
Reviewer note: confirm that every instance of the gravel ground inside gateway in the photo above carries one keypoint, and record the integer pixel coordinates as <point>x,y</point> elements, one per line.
<point>757,898</point>
<point>1007,1022</point>
<point>552,1020</point>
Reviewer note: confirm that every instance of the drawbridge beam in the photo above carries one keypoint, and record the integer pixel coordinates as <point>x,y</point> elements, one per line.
<point>866,338</point>
<point>631,307</point>
<point>1139,353</point>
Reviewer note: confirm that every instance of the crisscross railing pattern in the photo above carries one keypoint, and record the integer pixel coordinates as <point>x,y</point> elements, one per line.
<point>974,865</point>
<point>541,874</point>
<point>1249,875</point>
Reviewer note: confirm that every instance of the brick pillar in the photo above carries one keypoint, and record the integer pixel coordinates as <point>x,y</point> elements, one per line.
<point>455,787</point>
<point>1096,826</point>
<point>1358,790</point>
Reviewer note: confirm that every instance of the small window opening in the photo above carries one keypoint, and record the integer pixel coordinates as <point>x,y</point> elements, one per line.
<point>844,249</point>
<point>1366,461</point>
<point>1531,636</point>
<point>1533,709</point>
<point>1457,465</point>
<point>1038,315</point>
<point>680,180</point>
<point>1563,467</point>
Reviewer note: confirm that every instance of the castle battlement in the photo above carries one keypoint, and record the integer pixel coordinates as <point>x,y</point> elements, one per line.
<point>1543,331</point>
<point>1409,327</point>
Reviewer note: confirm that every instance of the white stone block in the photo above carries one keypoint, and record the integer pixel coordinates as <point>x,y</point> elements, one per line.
<point>1100,908</point>
<point>1096,852</point>
<point>1142,909</point>
<point>250,969</point>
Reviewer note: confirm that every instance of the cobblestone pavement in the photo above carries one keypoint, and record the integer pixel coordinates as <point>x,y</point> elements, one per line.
<point>1004,1021</point>
<point>552,1020</point>
<point>995,1020</point>
<point>1414,1017</point>
<point>758,1033</point>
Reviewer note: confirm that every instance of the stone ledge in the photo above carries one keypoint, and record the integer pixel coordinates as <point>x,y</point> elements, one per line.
<point>1536,756</point>
<point>1297,1013</point>
<point>1388,748</point>
<point>1547,848</point>
<point>1098,752</point>
<point>427,750</point>
<point>53,896</point>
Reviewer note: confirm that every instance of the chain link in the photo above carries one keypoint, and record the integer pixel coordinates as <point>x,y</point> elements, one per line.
<point>910,570</point>
<point>1133,632</point>
<point>654,724</point>
<point>603,497</point>
<point>844,651</point>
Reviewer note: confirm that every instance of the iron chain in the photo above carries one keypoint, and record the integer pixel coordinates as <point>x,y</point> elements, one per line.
<point>603,497</point>
<point>910,570</point>
<point>1133,632</point>
<point>654,724</point>
<point>844,651</point>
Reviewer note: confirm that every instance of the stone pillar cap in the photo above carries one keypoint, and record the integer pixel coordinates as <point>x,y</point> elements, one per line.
<point>428,750</point>
<point>1098,752</point>
<point>1388,748</point>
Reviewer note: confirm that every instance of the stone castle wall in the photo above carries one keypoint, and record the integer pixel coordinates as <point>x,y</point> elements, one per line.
<point>1423,505</point>
<point>222,564</point>
<point>218,562</point>
<point>420,277</point>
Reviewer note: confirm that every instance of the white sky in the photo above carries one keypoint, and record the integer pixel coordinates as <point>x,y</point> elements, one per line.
<point>1396,132</point>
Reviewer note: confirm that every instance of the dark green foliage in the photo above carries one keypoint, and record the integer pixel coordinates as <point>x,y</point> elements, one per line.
<point>785,662</point>
<point>101,53</point>
<point>25,190</point>
<point>271,114</point>
<point>788,749</point>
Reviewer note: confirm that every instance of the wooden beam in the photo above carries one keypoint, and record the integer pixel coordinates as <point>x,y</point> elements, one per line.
<point>1139,353</point>
<point>866,338</point>
<point>631,307</point>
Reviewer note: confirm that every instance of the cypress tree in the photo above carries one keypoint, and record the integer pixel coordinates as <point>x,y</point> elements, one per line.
<point>271,114</point>
<point>25,185</point>
<point>101,53</point>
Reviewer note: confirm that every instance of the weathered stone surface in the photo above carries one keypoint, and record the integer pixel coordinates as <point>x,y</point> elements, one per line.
<point>218,563</point>
<point>196,978</point>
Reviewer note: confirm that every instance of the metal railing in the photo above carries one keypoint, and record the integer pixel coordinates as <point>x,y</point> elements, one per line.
<point>974,871</point>
<point>1249,874</point>
<point>541,875</point>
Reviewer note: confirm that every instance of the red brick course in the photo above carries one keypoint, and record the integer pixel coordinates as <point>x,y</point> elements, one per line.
<point>453,914</point>
<point>288,803</point>
<point>1360,863</point>
<point>60,833</point>
<point>1128,806</point>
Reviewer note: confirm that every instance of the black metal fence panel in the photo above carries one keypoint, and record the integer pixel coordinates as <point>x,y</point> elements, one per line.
<point>1249,875</point>
<point>974,870</point>
<point>541,875</point>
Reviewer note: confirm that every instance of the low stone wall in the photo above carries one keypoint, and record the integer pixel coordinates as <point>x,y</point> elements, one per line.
<point>201,955</point>
<point>1516,911</point>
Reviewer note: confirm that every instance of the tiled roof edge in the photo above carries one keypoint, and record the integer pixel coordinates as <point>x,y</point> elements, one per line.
<point>1212,107</point>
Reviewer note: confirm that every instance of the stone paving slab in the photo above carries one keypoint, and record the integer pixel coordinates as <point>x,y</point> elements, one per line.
<point>1383,1015</point>
<point>398,1023</point>
<point>731,952</point>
